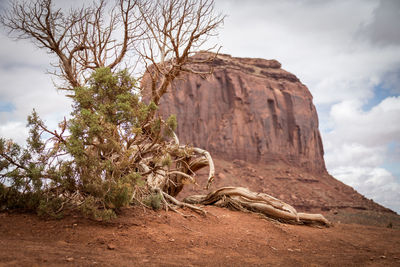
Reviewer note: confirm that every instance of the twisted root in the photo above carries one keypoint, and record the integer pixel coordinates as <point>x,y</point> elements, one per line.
<point>239,198</point>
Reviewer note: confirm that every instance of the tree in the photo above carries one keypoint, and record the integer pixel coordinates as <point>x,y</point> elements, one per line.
<point>115,149</point>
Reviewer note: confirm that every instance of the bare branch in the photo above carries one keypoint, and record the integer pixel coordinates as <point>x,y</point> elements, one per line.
<point>82,39</point>
<point>175,29</point>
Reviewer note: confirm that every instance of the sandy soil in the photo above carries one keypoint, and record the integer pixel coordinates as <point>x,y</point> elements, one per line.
<point>223,238</point>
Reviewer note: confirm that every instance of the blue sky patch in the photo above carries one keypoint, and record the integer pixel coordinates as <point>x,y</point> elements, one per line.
<point>392,162</point>
<point>387,88</point>
<point>381,92</point>
<point>6,106</point>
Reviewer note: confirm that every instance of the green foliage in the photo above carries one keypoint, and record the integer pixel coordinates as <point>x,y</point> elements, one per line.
<point>153,201</point>
<point>94,159</point>
<point>11,198</point>
<point>50,208</point>
<point>171,125</point>
<point>34,141</point>
<point>90,208</point>
<point>167,160</point>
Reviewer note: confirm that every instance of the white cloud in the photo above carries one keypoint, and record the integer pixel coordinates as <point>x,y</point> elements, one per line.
<point>358,146</point>
<point>25,86</point>
<point>351,154</point>
<point>15,130</point>
<point>378,126</point>
<point>380,30</point>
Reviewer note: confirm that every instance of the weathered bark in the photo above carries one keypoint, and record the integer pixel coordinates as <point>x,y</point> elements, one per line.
<point>240,198</point>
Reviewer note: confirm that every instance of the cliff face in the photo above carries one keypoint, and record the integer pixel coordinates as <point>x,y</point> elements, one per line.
<point>247,109</point>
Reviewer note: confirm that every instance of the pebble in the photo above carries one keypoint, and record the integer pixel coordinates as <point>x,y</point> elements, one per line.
<point>111,246</point>
<point>70,259</point>
<point>221,176</point>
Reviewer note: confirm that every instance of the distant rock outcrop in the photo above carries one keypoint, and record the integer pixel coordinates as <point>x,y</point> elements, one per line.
<point>248,109</point>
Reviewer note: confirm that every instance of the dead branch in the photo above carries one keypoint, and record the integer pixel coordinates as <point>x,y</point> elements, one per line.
<point>240,198</point>
<point>82,39</point>
<point>175,30</point>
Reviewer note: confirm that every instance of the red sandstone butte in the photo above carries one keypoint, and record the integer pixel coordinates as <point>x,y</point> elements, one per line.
<point>261,127</point>
<point>248,109</point>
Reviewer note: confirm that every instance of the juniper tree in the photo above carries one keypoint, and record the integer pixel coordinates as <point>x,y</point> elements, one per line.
<point>114,149</point>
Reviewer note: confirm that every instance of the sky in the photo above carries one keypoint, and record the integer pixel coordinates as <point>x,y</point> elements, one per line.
<point>346,52</point>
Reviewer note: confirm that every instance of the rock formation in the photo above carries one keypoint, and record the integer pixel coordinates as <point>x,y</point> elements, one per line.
<point>261,127</point>
<point>248,109</point>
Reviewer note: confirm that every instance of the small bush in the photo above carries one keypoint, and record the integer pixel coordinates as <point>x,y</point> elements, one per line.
<point>154,201</point>
<point>90,209</point>
<point>50,208</point>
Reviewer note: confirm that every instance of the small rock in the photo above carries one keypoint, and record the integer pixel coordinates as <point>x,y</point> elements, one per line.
<point>70,259</point>
<point>382,257</point>
<point>221,175</point>
<point>111,246</point>
<point>171,240</point>
<point>75,225</point>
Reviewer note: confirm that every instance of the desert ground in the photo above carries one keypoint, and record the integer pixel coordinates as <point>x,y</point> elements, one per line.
<point>142,237</point>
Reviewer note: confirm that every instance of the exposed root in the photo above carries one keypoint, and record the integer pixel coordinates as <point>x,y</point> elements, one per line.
<point>239,198</point>
<point>207,155</point>
<point>181,204</point>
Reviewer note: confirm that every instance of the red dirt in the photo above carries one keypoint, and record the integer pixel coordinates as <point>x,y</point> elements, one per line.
<point>223,238</point>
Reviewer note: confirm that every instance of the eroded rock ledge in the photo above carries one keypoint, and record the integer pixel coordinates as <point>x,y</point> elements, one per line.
<point>248,109</point>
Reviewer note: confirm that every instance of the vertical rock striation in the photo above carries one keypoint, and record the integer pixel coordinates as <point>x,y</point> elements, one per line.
<point>248,109</point>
